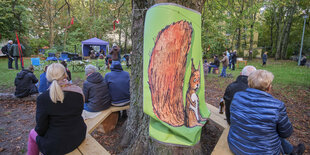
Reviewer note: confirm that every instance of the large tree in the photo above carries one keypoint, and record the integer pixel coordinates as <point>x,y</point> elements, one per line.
<point>137,137</point>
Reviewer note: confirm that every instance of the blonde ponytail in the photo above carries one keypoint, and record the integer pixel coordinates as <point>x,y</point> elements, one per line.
<point>56,92</point>
<point>56,72</point>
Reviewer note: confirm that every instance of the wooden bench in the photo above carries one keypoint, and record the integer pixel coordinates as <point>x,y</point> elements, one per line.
<point>221,148</point>
<point>90,146</point>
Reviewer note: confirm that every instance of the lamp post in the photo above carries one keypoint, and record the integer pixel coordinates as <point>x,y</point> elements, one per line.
<point>305,16</point>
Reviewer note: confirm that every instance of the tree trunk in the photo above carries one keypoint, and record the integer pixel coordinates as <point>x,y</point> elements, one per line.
<point>119,37</point>
<point>50,21</point>
<point>126,38</point>
<point>137,138</point>
<point>279,33</point>
<point>288,30</point>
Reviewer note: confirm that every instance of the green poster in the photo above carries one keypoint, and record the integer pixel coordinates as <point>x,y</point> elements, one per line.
<point>173,80</point>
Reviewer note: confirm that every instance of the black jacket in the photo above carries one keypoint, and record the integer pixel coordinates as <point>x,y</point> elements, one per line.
<point>60,126</point>
<point>234,57</point>
<point>240,84</point>
<point>96,93</point>
<point>216,62</point>
<point>25,83</point>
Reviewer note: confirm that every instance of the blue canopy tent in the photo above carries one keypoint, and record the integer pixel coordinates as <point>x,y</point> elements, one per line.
<point>94,42</point>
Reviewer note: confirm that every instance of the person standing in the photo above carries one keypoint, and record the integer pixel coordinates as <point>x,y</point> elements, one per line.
<point>264,59</point>
<point>115,52</point>
<point>14,51</point>
<point>234,59</point>
<point>240,84</point>
<point>230,59</point>
<point>225,64</point>
<point>5,50</point>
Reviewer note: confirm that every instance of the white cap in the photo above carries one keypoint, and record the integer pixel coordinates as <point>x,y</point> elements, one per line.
<point>10,41</point>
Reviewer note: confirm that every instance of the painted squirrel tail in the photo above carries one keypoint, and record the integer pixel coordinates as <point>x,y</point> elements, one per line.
<point>167,70</point>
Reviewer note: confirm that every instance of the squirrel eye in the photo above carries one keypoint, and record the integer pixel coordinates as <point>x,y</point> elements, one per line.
<point>194,80</point>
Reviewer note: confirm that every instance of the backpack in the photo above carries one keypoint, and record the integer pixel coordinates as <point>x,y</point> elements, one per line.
<point>4,49</point>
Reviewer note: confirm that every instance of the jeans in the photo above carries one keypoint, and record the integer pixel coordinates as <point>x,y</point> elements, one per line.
<point>10,61</point>
<point>16,62</point>
<point>33,148</point>
<point>212,66</point>
<point>286,146</point>
<point>223,74</point>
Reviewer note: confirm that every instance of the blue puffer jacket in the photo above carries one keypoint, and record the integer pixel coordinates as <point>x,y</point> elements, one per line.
<point>258,121</point>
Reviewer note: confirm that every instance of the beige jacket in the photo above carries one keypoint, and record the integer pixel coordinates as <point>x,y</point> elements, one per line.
<point>225,61</point>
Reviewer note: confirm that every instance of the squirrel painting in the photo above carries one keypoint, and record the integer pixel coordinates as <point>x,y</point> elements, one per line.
<point>192,113</point>
<point>166,73</point>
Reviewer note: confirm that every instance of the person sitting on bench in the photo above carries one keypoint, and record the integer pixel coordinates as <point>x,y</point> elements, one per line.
<point>25,83</point>
<point>259,122</point>
<point>43,84</point>
<point>96,91</point>
<point>60,127</point>
<point>240,84</point>
<point>215,64</point>
<point>119,83</point>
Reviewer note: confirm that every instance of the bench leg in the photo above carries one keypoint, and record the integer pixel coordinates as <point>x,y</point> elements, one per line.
<point>109,123</point>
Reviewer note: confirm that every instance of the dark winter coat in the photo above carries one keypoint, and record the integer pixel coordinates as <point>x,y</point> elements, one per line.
<point>14,50</point>
<point>6,48</point>
<point>258,121</point>
<point>240,84</point>
<point>216,62</point>
<point>60,126</point>
<point>96,93</point>
<point>25,83</point>
<point>264,57</point>
<point>119,83</point>
<point>234,57</point>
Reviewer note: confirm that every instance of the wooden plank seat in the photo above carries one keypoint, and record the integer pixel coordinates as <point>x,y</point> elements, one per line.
<point>221,148</point>
<point>90,146</point>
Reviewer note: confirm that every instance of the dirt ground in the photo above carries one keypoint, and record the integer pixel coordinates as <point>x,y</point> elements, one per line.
<point>17,118</point>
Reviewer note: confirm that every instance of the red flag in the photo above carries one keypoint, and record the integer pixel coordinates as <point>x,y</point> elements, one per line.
<point>72,20</point>
<point>115,21</point>
<point>20,50</point>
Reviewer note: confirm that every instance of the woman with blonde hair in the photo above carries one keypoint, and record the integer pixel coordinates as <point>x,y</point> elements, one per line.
<point>259,122</point>
<point>60,127</point>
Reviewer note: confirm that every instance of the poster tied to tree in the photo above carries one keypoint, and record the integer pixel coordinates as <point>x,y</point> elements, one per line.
<point>173,80</point>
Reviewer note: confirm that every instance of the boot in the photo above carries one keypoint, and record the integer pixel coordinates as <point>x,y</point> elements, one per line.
<point>298,150</point>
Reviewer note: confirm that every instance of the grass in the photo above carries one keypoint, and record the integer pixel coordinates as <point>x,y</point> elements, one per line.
<point>7,76</point>
<point>286,72</point>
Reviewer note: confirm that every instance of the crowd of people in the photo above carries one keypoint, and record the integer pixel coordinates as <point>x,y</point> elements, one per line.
<point>13,53</point>
<point>229,60</point>
<point>63,106</point>
<point>258,122</point>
